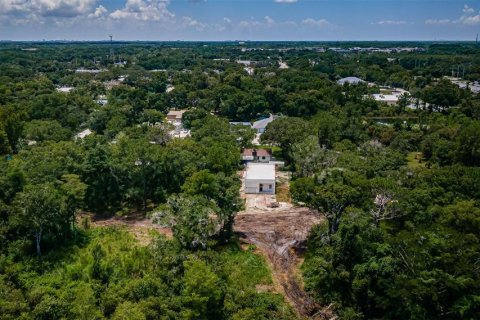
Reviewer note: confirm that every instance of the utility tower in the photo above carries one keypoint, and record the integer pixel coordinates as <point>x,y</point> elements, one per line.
<point>111,48</point>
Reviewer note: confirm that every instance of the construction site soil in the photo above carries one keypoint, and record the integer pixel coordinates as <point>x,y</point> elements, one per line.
<point>280,234</point>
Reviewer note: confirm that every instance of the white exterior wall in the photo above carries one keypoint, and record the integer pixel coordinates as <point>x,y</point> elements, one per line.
<point>267,159</point>
<point>253,186</point>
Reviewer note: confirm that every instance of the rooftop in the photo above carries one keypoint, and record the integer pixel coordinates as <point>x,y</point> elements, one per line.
<point>351,80</point>
<point>262,124</point>
<point>385,97</point>
<point>177,114</point>
<point>260,152</point>
<point>260,171</point>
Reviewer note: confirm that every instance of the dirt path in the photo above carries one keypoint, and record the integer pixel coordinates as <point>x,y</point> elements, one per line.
<point>281,234</point>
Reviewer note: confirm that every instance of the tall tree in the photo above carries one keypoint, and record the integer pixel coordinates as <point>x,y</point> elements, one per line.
<point>40,208</point>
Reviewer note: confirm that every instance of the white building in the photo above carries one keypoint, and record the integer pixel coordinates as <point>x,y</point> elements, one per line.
<point>260,178</point>
<point>390,96</point>
<point>83,134</point>
<point>65,89</point>
<point>350,80</point>
<point>389,99</point>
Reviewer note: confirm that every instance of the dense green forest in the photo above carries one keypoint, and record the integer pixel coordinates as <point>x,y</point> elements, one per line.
<point>398,186</point>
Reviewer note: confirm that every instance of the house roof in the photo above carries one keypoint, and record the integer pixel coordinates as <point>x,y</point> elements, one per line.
<point>260,152</point>
<point>262,124</point>
<point>351,80</point>
<point>241,124</point>
<point>176,114</point>
<point>83,133</point>
<point>385,97</point>
<point>260,171</point>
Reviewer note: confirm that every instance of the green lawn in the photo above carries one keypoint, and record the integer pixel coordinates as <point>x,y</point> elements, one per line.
<point>415,160</point>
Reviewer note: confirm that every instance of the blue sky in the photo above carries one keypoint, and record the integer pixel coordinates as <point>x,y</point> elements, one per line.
<point>239,19</point>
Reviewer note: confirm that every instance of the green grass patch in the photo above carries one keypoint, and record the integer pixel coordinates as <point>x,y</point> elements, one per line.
<point>245,269</point>
<point>415,160</point>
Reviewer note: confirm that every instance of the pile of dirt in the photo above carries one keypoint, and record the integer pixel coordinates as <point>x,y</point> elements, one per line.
<point>280,234</point>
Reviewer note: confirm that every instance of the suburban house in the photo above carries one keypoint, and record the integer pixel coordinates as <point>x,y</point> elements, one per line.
<point>175,116</point>
<point>260,178</point>
<point>256,155</point>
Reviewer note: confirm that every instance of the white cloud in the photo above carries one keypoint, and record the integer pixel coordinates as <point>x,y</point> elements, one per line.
<point>249,24</point>
<point>467,9</point>
<point>471,20</point>
<point>468,18</point>
<point>438,21</point>
<point>144,10</point>
<point>189,22</point>
<point>392,22</point>
<point>285,1</point>
<point>99,12</point>
<point>46,8</point>
<point>316,23</point>
<point>269,21</point>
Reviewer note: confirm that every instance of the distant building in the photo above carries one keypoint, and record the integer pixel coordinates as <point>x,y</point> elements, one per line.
<point>390,96</point>
<point>81,70</point>
<point>180,133</point>
<point>256,155</point>
<point>350,80</point>
<point>175,116</point>
<point>261,125</point>
<point>120,64</point>
<point>260,178</point>
<point>474,87</point>
<point>244,62</point>
<point>83,134</point>
<point>248,124</point>
<point>389,99</point>
<point>250,71</point>
<point>102,100</point>
<point>282,65</point>
<point>64,89</point>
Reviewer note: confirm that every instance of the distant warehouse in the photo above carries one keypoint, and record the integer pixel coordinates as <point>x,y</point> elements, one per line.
<point>260,178</point>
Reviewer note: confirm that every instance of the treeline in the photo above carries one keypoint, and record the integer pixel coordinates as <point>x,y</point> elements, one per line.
<point>189,185</point>
<point>398,187</point>
<point>400,197</point>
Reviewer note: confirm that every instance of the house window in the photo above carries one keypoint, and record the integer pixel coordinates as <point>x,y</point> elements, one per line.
<point>263,158</point>
<point>261,187</point>
<point>270,186</point>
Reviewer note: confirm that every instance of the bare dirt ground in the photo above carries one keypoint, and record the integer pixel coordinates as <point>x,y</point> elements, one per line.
<point>280,235</point>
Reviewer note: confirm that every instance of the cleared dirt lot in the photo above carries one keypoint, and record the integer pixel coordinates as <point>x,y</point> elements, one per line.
<point>280,234</point>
